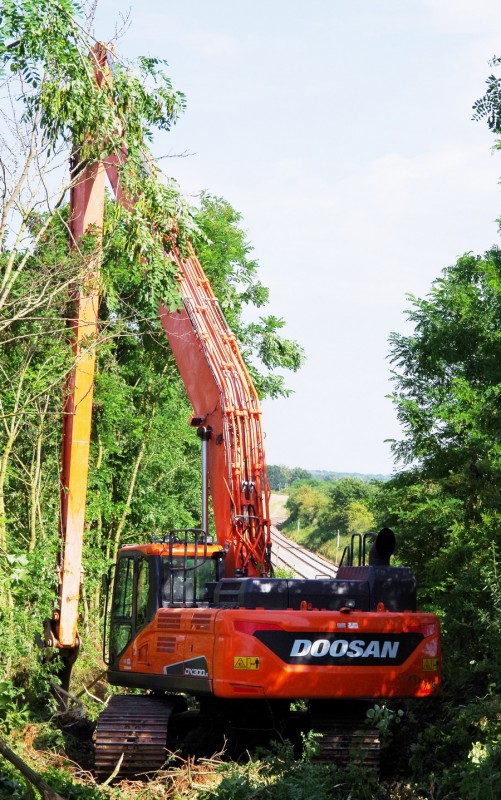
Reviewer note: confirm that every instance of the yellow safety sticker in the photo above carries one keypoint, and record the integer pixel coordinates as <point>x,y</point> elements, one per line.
<point>430,664</point>
<point>245,662</point>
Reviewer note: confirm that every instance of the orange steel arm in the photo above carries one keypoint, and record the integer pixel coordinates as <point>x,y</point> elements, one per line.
<point>216,380</point>
<point>87,198</point>
<point>224,398</point>
<point>87,209</point>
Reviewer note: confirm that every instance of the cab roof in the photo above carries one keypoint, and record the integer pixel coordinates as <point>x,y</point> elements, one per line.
<point>175,549</point>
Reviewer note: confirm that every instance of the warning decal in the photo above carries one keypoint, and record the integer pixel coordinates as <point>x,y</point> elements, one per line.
<point>245,662</point>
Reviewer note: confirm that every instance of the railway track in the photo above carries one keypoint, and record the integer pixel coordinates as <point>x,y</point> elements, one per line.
<point>289,555</point>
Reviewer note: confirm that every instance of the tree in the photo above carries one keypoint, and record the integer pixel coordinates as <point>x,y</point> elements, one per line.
<point>448,383</point>
<point>349,506</point>
<point>281,477</point>
<point>144,472</point>
<point>306,501</point>
<point>447,377</point>
<point>446,505</point>
<point>489,105</point>
<point>225,254</point>
<point>358,517</point>
<point>300,474</point>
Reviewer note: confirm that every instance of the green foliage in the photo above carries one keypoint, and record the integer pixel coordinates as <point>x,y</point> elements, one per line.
<point>448,377</point>
<point>281,477</point>
<point>11,789</point>
<point>384,718</point>
<point>323,515</point>
<point>12,713</point>
<point>446,510</point>
<point>489,105</point>
<point>358,517</point>
<point>47,48</point>
<point>306,502</point>
<point>278,775</point>
<point>282,572</point>
<point>25,604</point>
<point>47,45</point>
<point>457,747</point>
<point>225,254</point>
<point>349,509</point>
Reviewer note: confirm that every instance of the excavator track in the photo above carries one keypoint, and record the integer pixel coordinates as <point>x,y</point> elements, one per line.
<point>346,741</point>
<point>132,730</point>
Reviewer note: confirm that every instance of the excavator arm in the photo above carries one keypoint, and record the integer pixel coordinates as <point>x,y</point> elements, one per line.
<point>225,402</point>
<point>87,210</point>
<point>218,385</point>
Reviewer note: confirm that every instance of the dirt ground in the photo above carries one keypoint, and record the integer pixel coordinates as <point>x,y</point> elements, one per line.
<point>278,512</point>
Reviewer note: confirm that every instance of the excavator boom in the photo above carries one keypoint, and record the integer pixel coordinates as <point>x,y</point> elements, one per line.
<point>225,401</point>
<point>217,382</point>
<point>87,209</point>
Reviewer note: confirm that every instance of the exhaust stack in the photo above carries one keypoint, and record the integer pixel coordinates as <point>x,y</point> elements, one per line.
<point>205,433</point>
<point>382,549</point>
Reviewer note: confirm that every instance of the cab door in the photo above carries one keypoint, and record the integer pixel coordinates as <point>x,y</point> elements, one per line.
<point>133,604</point>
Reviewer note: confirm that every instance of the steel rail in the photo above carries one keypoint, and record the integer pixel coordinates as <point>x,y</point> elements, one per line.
<point>287,554</point>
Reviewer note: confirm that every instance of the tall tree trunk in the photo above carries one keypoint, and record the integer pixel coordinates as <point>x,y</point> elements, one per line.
<point>95,597</point>
<point>35,476</point>
<point>4,463</point>
<point>132,486</point>
<point>12,424</point>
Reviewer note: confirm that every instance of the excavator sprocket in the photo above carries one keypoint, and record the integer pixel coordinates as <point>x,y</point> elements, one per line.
<point>134,727</point>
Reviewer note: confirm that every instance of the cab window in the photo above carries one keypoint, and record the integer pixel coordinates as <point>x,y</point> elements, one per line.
<point>142,592</point>
<point>121,612</point>
<point>183,584</point>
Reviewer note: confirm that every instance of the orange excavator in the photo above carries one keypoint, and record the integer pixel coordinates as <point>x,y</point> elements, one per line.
<point>199,614</point>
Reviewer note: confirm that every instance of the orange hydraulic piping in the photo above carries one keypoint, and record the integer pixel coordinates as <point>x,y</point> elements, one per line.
<point>243,526</point>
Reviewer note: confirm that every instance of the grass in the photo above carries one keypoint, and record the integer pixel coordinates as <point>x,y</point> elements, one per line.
<point>270,775</point>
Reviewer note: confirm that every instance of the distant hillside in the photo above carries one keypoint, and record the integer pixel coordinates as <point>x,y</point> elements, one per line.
<point>325,475</point>
<point>280,477</point>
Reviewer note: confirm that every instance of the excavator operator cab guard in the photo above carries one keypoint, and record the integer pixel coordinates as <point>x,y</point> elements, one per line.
<point>179,571</point>
<point>191,563</point>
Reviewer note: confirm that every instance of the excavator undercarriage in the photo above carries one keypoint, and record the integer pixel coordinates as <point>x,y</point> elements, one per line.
<point>137,735</point>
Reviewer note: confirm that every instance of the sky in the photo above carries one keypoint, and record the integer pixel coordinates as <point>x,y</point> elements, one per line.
<point>342,131</point>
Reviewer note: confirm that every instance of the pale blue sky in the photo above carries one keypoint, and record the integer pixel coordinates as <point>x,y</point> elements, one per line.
<point>341,129</point>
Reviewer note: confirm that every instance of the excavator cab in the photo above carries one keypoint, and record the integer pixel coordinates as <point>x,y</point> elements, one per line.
<point>177,572</point>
